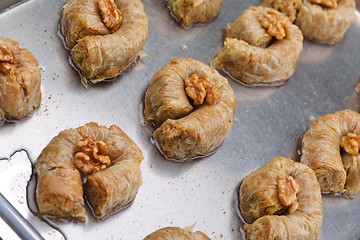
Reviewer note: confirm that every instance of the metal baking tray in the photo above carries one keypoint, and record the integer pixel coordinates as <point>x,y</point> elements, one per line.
<point>269,123</point>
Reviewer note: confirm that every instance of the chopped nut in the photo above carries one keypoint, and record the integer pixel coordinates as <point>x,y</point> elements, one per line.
<point>288,187</point>
<point>275,23</point>
<point>90,156</point>
<point>110,14</point>
<point>7,60</point>
<point>199,89</point>
<point>286,7</point>
<point>326,3</point>
<point>82,142</point>
<point>350,143</point>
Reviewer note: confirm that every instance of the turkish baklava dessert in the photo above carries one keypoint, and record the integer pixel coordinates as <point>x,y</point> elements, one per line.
<point>192,108</point>
<point>176,233</point>
<point>330,147</point>
<point>281,200</point>
<point>189,12</point>
<point>261,48</point>
<point>20,81</point>
<point>321,20</point>
<point>105,37</point>
<point>106,159</point>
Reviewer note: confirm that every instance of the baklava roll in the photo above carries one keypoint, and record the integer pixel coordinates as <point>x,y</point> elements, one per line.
<point>192,106</point>
<point>331,148</point>
<point>105,36</point>
<point>281,200</point>
<point>189,12</point>
<point>323,21</point>
<point>261,48</point>
<point>176,233</point>
<point>326,22</point>
<point>20,81</point>
<point>108,158</point>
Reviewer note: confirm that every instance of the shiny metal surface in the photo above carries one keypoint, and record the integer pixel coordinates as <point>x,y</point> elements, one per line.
<point>269,122</point>
<point>17,222</point>
<point>15,175</point>
<point>5,4</point>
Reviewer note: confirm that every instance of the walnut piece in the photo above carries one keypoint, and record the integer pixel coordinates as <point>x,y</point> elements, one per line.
<point>350,143</point>
<point>7,60</point>
<point>287,7</point>
<point>90,156</point>
<point>326,3</point>
<point>288,187</point>
<point>110,14</point>
<point>275,23</point>
<point>199,89</point>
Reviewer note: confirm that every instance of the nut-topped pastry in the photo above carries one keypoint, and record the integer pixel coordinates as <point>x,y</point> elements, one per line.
<point>281,200</point>
<point>320,20</point>
<point>20,81</point>
<point>189,12</point>
<point>108,158</point>
<point>261,48</point>
<point>105,36</point>
<point>176,233</point>
<point>192,107</point>
<point>331,148</point>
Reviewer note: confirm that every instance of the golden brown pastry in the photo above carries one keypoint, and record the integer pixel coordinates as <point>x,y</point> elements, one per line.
<point>325,23</point>
<point>176,233</point>
<point>105,36</point>
<point>281,200</point>
<point>192,106</point>
<point>20,81</point>
<point>106,156</point>
<point>189,12</point>
<point>331,148</point>
<point>320,20</point>
<point>261,48</point>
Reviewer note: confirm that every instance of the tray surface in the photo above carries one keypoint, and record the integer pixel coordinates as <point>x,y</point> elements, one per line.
<point>269,123</point>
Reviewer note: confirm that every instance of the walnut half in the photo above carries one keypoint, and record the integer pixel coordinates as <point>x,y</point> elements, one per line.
<point>275,23</point>
<point>110,14</point>
<point>326,3</point>
<point>7,60</point>
<point>200,89</point>
<point>289,8</point>
<point>288,187</point>
<point>90,156</point>
<point>350,143</point>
